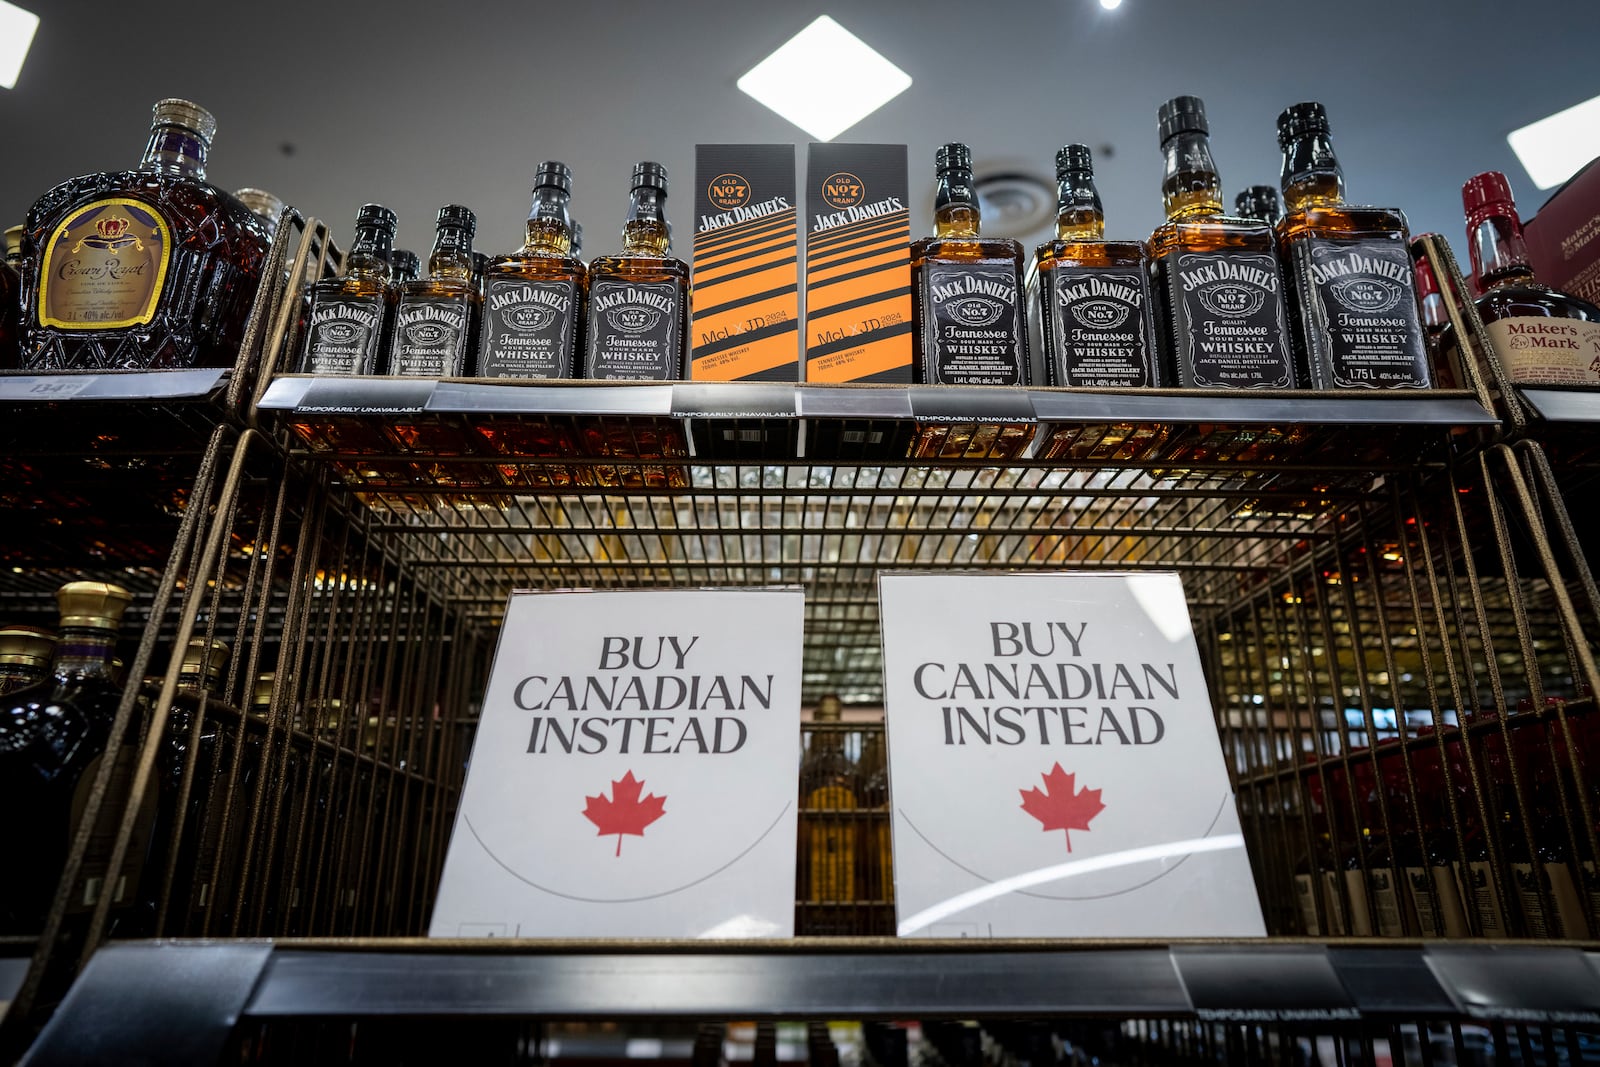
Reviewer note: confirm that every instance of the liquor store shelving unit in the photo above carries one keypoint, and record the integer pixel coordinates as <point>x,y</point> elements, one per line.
<point>1391,602</point>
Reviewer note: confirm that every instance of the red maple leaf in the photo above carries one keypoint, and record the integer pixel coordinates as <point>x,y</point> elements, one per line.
<point>1059,806</point>
<point>624,812</point>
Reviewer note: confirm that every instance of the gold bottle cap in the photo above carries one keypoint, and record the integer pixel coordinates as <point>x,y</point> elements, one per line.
<point>829,709</point>
<point>207,657</point>
<point>185,113</point>
<point>92,605</point>
<point>261,692</point>
<point>28,646</point>
<point>261,202</point>
<point>13,241</point>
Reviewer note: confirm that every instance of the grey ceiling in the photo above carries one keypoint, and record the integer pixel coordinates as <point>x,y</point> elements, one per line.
<point>418,104</point>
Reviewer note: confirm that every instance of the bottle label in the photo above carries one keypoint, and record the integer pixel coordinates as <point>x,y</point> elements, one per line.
<point>104,265</point>
<point>1099,330</point>
<point>1359,313</point>
<point>1333,904</point>
<point>97,857</point>
<point>1228,321</point>
<point>1538,883</point>
<point>634,331</point>
<point>1483,900</point>
<point>430,336</point>
<point>1355,884</point>
<point>972,328</point>
<point>527,329</point>
<point>1534,350</point>
<point>343,336</point>
<point>1305,896</point>
<point>1419,880</point>
<point>1386,902</point>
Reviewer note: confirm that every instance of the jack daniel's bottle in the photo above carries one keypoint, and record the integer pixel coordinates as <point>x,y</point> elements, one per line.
<point>639,298</point>
<point>435,318</point>
<point>148,268</point>
<point>533,299</point>
<point>1352,296</point>
<point>1220,292</point>
<point>346,326</point>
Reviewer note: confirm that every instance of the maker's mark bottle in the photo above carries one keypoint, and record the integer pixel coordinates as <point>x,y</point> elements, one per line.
<point>141,269</point>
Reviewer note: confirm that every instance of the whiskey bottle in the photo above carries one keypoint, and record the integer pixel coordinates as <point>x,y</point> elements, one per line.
<point>533,298</point>
<point>264,206</point>
<point>1542,336</point>
<point>1258,202</point>
<point>1218,288</point>
<point>435,316</point>
<point>53,736</point>
<point>148,268</point>
<point>347,323</point>
<point>404,266</point>
<point>968,310</point>
<point>13,248</point>
<point>827,817</point>
<point>876,862</point>
<point>25,653</point>
<point>1094,294</point>
<point>1352,295</point>
<point>639,299</point>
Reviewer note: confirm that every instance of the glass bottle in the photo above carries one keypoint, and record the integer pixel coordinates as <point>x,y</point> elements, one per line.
<point>11,301</point>
<point>1352,293</point>
<point>52,737</point>
<point>435,316</point>
<point>639,299</point>
<point>141,269</point>
<point>1258,202</point>
<point>13,248</point>
<point>347,323</point>
<point>264,205</point>
<point>970,320</point>
<point>25,653</point>
<point>404,266</point>
<point>828,804</point>
<point>1435,322</point>
<point>576,251</point>
<point>534,296</point>
<point>876,862</point>
<point>1219,292</point>
<point>1542,336</point>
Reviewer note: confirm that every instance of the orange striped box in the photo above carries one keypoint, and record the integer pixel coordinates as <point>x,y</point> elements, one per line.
<point>858,264</point>
<point>746,295</point>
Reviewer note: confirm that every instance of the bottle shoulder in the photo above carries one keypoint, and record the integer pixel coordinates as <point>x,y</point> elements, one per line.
<point>1532,300</point>
<point>1211,233</point>
<point>1347,222</point>
<point>436,289</point>
<point>349,289</point>
<point>1053,254</point>
<point>638,268</point>
<point>520,265</point>
<point>967,250</point>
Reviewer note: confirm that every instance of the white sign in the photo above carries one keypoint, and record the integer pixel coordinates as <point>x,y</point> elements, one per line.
<point>633,774</point>
<point>1054,767</point>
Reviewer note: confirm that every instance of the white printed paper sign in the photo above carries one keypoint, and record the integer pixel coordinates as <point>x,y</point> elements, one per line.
<point>1054,767</point>
<point>633,773</point>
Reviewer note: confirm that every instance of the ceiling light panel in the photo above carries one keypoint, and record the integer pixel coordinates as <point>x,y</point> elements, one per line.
<point>825,79</point>
<point>1555,148</point>
<point>17,27</point>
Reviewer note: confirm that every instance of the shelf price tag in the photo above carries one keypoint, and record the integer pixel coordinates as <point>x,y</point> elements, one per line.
<point>1054,765</point>
<point>632,774</point>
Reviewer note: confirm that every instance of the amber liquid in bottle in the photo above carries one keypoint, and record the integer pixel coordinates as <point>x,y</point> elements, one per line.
<point>828,804</point>
<point>1352,295</point>
<point>145,269</point>
<point>638,325</point>
<point>1094,311</point>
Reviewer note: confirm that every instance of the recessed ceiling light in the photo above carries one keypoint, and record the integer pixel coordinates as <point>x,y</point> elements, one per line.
<point>825,79</point>
<point>16,35</point>
<point>1555,148</point>
<point>1110,5</point>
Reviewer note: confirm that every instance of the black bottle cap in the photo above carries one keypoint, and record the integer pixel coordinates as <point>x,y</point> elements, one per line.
<point>577,237</point>
<point>404,264</point>
<point>1074,159</point>
<point>553,174</point>
<point>647,175</point>
<point>457,217</point>
<point>952,157</point>
<point>1182,114</point>
<point>1300,120</point>
<point>379,216</point>
<point>1257,201</point>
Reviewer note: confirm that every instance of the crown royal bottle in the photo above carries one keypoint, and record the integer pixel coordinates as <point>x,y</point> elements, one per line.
<point>148,268</point>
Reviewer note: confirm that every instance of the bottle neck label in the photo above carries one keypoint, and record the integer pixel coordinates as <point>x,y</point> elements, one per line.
<point>1535,350</point>
<point>1358,315</point>
<point>430,336</point>
<point>528,329</point>
<point>1227,321</point>
<point>1097,327</point>
<point>634,331</point>
<point>104,265</point>
<point>344,335</point>
<point>972,324</point>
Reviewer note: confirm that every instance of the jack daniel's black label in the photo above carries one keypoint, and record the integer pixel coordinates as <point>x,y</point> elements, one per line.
<point>430,336</point>
<point>972,325</point>
<point>527,329</point>
<point>1228,321</point>
<point>634,331</point>
<point>343,337</point>
<point>1097,327</point>
<point>1358,310</point>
